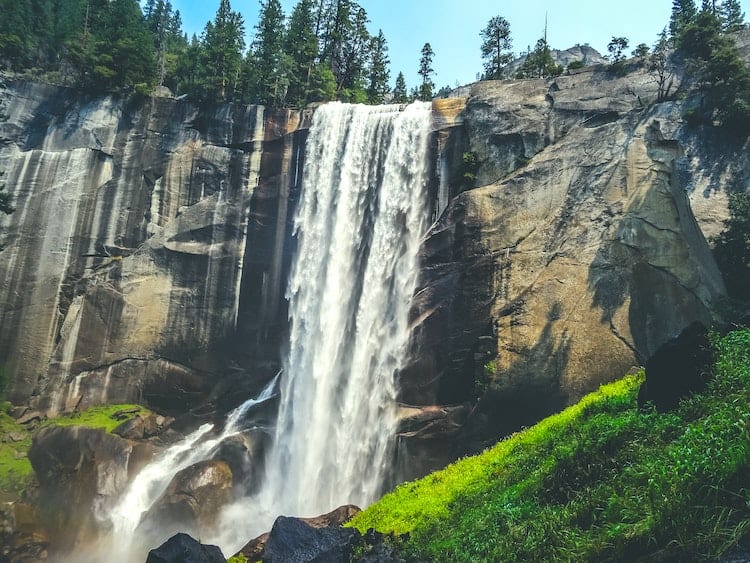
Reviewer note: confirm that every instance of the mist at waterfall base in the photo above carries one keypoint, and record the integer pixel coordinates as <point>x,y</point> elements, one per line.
<point>359,224</point>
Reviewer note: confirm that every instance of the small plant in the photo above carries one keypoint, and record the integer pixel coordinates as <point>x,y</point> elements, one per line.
<point>575,65</point>
<point>468,170</point>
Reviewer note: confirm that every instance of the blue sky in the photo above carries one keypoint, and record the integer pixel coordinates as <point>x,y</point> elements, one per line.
<point>452,27</point>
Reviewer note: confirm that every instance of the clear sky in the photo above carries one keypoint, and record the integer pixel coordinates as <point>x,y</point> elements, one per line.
<point>452,27</point>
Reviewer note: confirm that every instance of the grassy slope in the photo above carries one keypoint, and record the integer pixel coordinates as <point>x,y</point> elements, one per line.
<point>15,467</point>
<point>599,481</point>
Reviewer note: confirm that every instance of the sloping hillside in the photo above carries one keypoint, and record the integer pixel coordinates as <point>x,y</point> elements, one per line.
<point>599,481</point>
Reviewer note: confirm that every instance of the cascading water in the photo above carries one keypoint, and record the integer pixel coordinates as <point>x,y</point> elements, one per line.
<point>359,223</point>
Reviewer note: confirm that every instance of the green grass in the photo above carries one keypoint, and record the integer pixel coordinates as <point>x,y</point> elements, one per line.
<point>15,468</point>
<point>599,481</point>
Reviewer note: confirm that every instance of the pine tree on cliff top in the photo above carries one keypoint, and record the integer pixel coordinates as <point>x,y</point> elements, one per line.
<point>496,46</point>
<point>400,94</point>
<point>426,71</point>
<point>378,88</point>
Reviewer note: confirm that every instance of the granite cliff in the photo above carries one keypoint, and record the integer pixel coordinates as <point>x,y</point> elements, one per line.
<point>148,254</point>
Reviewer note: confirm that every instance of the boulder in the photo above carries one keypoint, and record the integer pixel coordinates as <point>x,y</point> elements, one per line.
<point>141,427</point>
<point>679,368</point>
<point>254,549</point>
<point>81,472</point>
<point>243,453</point>
<point>191,503</point>
<point>181,548</point>
<point>293,541</point>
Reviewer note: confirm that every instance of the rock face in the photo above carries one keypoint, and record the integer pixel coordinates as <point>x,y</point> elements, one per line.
<point>579,250</point>
<point>679,368</point>
<point>125,265</point>
<point>148,255</point>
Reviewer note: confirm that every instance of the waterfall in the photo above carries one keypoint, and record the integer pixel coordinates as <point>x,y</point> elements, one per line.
<point>359,223</point>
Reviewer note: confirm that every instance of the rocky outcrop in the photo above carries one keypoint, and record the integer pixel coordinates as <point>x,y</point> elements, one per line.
<point>291,539</point>
<point>579,250</point>
<point>148,255</point>
<point>81,472</point>
<point>144,233</point>
<point>253,551</point>
<point>678,369</point>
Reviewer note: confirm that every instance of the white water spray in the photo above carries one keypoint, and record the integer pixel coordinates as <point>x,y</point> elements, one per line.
<point>148,485</point>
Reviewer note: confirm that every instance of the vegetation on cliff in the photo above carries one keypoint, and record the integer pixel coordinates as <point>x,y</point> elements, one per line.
<point>15,438</point>
<point>599,481</point>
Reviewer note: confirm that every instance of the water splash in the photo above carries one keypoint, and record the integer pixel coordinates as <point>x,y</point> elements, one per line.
<point>151,482</point>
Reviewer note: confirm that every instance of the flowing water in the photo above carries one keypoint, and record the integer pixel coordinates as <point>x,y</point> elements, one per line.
<point>359,223</point>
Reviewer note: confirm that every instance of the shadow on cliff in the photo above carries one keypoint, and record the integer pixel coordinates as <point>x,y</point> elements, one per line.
<point>657,262</point>
<point>526,392</point>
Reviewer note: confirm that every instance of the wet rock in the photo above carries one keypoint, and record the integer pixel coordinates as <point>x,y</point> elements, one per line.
<point>254,549</point>
<point>679,368</point>
<point>81,472</point>
<point>140,427</point>
<point>293,541</point>
<point>21,539</point>
<point>191,503</point>
<point>243,453</point>
<point>181,548</point>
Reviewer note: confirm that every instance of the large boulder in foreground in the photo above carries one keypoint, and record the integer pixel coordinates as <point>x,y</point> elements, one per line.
<point>293,541</point>
<point>81,472</point>
<point>254,549</point>
<point>679,368</point>
<point>181,548</point>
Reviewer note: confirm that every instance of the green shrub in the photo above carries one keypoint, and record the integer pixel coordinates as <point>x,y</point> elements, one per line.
<point>574,65</point>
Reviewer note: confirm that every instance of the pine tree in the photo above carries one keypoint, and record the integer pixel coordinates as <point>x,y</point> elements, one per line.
<point>301,49</point>
<point>732,17</point>
<point>15,32</point>
<point>189,73</point>
<point>426,71</point>
<point>378,88</point>
<point>539,62</point>
<point>223,43</point>
<point>400,94</point>
<point>268,56</point>
<point>496,46</point>
<point>352,76</point>
<point>683,12</point>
